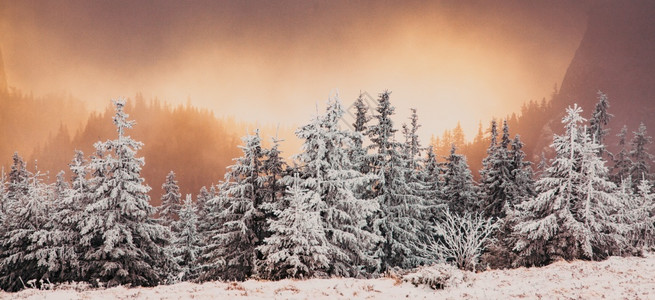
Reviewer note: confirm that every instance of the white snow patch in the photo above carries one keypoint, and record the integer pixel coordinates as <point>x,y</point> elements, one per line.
<point>615,278</point>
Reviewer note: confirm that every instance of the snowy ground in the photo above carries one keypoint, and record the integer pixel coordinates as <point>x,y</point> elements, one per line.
<point>616,278</point>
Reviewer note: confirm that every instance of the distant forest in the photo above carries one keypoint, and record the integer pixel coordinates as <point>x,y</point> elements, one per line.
<point>190,140</point>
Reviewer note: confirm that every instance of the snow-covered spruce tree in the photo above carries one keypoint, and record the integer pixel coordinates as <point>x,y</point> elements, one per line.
<point>21,246</point>
<point>421,182</point>
<point>3,199</point>
<point>506,176</point>
<point>69,215</point>
<point>571,217</point>
<point>513,184</point>
<point>274,167</point>
<point>297,247</point>
<point>622,162</point>
<point>599,120</point>
<point>61,187</point>
<point>495,174</point>
<point>201,200</point>
<point>59,238</point>
<point>412,146</point>
<point>18,178</point>
<point>639,155</point>
<point>187,241</point>
<point>639,213</point>
<point>121,241</point>
<point>400,220</point>
<point>360,127</point>
<point>237,223</point>
<point>460,192</point>
<point>171,202</point>
<point>411,154</point>
<point>522,173</point>
<point>430,175</point>
<point>327,170</point>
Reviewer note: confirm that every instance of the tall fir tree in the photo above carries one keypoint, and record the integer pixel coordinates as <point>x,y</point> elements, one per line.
<point>237,218</point>
<point>570,218</point>
<point>171,201</point>
<point>599,120</point>
<point>203,208</point>
<point>23,249</point>
<point>460,192</point>
<point>400,220</point>
<point>644,224</point>
<point>506,176</point>
<point>18,178</point>
<point>122,243</point>
<point>360,127</point>
<point>3,199</point>
<point>298,247</point>
<point>638,214</point>
<point>622,162</point>
<point>274,168</point>
<point>188,241</point>
<point>70,214</point>
<point>328,171</point>
<point>431,175</point>
<point>640,155</point>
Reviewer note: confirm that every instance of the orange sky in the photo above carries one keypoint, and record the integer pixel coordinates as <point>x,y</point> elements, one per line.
<point>269,62</point>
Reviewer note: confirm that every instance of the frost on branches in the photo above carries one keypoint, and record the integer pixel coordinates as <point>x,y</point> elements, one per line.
<point>401,220</point>
<point>237,224</point>
<point>187,242</point>
<point>571,217</point>
<point>462,239</point>
<point>25,230</point>
<point>459,190</point>
<point>506,176</point>
<point>298,247</point>
<point>122,243</point>
<point>170,201</point>
<point>327,171</point>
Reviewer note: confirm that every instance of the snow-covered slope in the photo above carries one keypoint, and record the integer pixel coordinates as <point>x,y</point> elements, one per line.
<point>615,278</point>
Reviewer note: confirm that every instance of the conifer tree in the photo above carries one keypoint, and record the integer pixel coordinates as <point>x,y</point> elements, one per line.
<point>122,243</point>
<point>70,215</point>
<point>459,190</point>
<point>571,216</point>
<point>400,221</point>
<point>639,154</point>
<point>506,176</point>
<point>360,126</point>
<point>431,177</point>
<point>18,178</point>
<point>22,252</point>
<point>328,171</point>
<point>274,170</point>
<point>170,201</point>
<point>3,199</point>
<point>599,119</point>
<point>361,115</point>
<point>522,174</point>
<point>622,162</point>
<point>203,208</point>
<point>298,247</point>
<point>412,147</point>
<point>187,242</point>
<point>237,224</point>
<point>638,214</point>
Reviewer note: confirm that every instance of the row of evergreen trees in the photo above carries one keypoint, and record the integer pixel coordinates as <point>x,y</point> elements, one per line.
<point>353,203</point>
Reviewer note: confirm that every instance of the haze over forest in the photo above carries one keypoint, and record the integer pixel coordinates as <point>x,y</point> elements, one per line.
<point>210,71</point>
